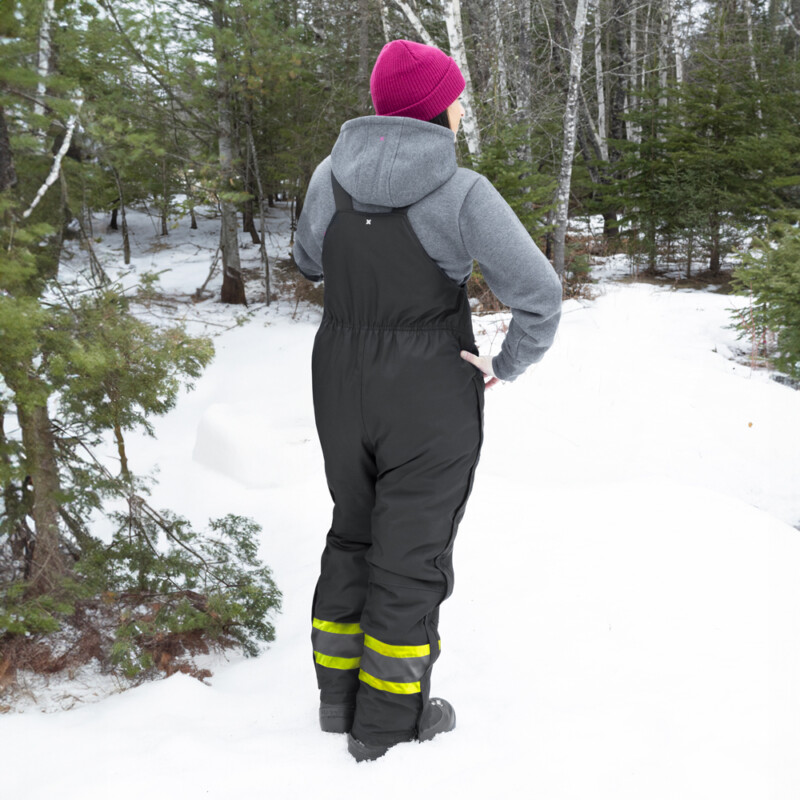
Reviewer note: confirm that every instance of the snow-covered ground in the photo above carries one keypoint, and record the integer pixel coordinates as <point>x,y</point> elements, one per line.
<point>626,616</point>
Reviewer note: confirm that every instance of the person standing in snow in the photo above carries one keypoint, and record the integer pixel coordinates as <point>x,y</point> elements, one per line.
<point>392,225</point>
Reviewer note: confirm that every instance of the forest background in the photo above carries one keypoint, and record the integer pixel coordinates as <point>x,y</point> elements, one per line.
<point>676,122</point>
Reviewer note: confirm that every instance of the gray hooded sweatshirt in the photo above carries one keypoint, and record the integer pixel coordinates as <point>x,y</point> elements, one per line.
<point>385,162</point>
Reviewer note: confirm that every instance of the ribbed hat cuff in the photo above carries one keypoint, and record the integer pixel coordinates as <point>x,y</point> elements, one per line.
<point>441,97</point>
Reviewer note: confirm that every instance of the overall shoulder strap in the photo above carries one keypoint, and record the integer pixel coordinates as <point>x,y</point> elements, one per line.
<point>343,199</point>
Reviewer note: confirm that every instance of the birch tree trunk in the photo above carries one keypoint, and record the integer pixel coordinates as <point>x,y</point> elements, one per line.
<point>501,73</point>
<point>384,21</point>
<point>363,57</point>
<point>519,80</point>
<point>641,79</point>
<point>600,85</point>
<point>232,282</point>
<point>455,35</point>
<point>570,125</point>
<point>663,56</point>
<point>678,40</point>
<point>748,12</point>
<point>412,17</point>
<point>594,140</point>
<point>458,50</point>
<point>43,61</point>
<point>523,82</point>
<point>634,134</point>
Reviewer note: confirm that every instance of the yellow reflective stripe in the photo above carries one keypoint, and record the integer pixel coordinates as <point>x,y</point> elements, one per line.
<point>336,663</point>
<point>396,651</point>
<point>389,686</point>
<point>336,627</point>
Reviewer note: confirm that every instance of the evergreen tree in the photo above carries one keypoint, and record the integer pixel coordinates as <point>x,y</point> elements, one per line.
<point>715,160</point>
<point>76,365</point>
<point>770,274</point>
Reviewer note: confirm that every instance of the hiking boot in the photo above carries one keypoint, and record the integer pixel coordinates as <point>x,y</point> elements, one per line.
<point>336,717</point>
<point>438,717</point>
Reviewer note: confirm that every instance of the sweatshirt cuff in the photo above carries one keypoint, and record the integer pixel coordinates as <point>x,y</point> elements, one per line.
<point>504,369</point>
<point>302,259</point>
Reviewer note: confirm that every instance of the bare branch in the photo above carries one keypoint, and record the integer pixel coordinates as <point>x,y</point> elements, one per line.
<point>415,22</point>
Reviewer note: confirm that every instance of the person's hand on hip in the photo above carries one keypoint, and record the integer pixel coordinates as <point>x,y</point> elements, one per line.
<point>484,364</point>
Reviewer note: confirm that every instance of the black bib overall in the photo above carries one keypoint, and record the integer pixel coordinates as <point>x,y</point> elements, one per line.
<point>400,420</point>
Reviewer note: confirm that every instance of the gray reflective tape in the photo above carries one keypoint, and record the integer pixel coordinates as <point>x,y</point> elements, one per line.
<point>339,645</point>
<point>396,670</point>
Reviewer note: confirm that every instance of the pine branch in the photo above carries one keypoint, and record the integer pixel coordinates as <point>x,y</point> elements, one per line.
<point>151,70</point>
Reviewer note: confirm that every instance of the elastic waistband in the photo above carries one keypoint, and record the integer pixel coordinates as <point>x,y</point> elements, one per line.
<point>372,326</point>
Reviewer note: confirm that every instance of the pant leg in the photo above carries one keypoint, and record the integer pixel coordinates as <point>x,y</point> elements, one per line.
<point>428,445</point>
<point>351,473</point>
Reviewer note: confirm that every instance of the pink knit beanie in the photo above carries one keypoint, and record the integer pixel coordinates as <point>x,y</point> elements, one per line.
<point>414,80</point>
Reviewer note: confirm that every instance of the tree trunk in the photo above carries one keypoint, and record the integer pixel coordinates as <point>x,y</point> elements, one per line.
<point>123,456</point>
<point>501,71</point>
<point>165,198</point>
<point>412,17</point>
<point>600,85</point>
<point>47,564</point>
<point>640,80</point>
<point>248,208</point>
<point>715,258</point>
<point>618,66</point>
<point>187,182</point>
<point>623,10</point>
<point>384,21</point>
<point>257,175</point>
<point>569,128</point>
<point>678,40</point>
<point>232,281</point>
<point>523,81</point>
<point>17,505</point>
<point>43,62</point>
<point>748,11</point>
<point>455,34</point>
<point>126,242</point>
<point>663,55</point>
<point>8,175</point>
<point>523,111</point>
<point>362,78</point>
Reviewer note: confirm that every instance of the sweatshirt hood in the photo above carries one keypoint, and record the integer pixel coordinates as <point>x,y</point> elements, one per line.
<point>392,161</point>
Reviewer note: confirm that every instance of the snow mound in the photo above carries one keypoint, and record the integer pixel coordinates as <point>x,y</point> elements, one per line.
<point>240,442</point>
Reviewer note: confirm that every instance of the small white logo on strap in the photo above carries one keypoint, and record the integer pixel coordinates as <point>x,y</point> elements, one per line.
<point>369,222</point>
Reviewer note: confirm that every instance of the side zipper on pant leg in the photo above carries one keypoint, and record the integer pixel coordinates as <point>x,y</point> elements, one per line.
<point>479,396</point>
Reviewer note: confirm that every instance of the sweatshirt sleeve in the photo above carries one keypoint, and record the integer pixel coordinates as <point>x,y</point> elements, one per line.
<point>517,272</point>
<point>317,212</point>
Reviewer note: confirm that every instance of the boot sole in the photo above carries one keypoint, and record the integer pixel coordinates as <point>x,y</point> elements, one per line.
<point>370,752</point>
<point>365,752</point>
